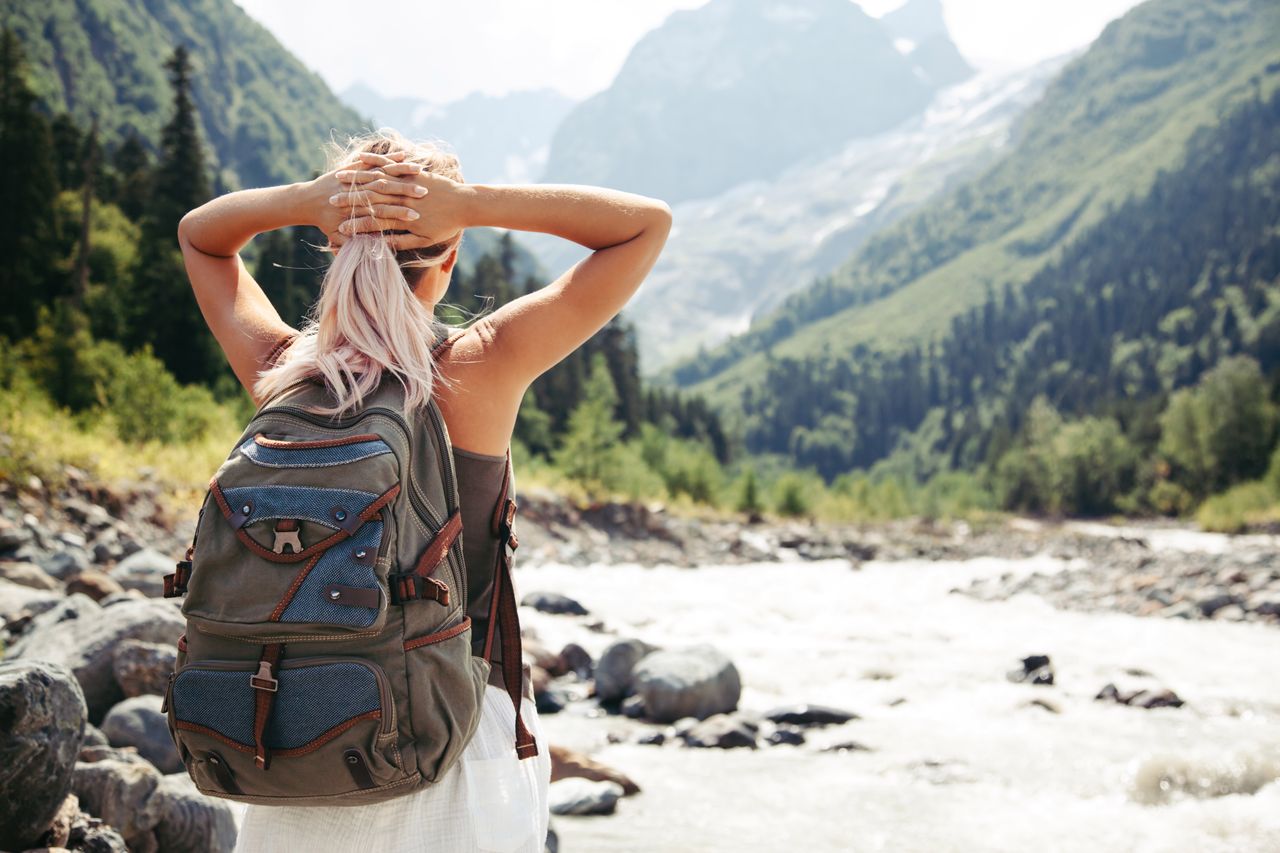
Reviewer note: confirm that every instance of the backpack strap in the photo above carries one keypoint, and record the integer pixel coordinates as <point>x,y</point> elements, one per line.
<point>502,607</point>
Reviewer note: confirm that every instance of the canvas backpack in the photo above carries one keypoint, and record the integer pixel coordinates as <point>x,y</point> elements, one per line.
<point>328,655</point>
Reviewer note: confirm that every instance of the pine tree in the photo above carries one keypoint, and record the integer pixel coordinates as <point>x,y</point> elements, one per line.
<point>131,177</point>
<point>166,314</point>
<point>591,440</point>
<point>28,226</point>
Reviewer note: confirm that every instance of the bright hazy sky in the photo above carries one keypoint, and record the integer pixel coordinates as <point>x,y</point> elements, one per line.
<point>440,51</point>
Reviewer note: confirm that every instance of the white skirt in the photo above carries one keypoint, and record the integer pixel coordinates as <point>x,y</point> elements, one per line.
<point>488,801</point>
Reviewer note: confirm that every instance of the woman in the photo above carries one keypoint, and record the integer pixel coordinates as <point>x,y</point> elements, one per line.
<point>394,212</point>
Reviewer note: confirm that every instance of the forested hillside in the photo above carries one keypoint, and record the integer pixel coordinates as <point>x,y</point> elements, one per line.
<point>263,114</point>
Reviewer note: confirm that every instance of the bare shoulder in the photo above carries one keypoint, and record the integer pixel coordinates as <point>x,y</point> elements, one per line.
<point>480,400</point>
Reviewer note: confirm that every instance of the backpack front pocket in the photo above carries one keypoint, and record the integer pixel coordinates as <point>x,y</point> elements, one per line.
<point>330,728</point>
<point>295,541</point>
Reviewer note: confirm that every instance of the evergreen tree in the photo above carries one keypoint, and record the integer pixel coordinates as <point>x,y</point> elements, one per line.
<point>131,177</point>
<point>28,225</point>
<point>590,443</point>
<point>166,314</point>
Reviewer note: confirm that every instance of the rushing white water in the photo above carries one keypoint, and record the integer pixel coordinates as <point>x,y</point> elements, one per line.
<point>960,760</point>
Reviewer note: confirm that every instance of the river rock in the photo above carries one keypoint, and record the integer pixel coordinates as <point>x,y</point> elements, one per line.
<point>696,681</point>
<point>724,731</point>
<point>122,794</point>
<point>65,563</point>
<point>93,736</point>
<point>20,605</point>
<point>190,822</point>
<point>1036,669</point>
<point>93,583</point>
<point>566,764</point>
<point>87,646</point>
<point>1141,698</point>
<point>143,668</point>
<point>43,714</point>
<point>577,796</point>
<point>27,574</point>
<point>553,602</point>
<point>574,658</point>
<point>552,844</point>
<point>138,722</point>
<point>809,715</point>
<point>613,670</point>
<point>633,707</point>
<point>790,735</point>
<point>144,571</point>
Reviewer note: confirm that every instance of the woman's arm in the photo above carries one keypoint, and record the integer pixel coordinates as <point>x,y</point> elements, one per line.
<point>238,313</point>
<point>531,334</point>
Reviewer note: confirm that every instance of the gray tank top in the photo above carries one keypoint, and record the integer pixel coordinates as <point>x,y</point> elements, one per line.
<point>479,481</point>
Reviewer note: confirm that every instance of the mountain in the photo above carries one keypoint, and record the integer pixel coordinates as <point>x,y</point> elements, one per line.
<point>742,252</point>
<point>920,32</point>
<point>1093,206</point>
<point>738,90</point>
<point>500,139</point>
<point>263,114</point>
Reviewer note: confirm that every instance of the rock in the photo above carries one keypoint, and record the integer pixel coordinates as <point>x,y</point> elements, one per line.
<point>550,702</point>
<point>613,670</point>
<point>138,722</point>
<point>846,746</point>
<point>721,730</point>
<point>657,737</point>
<point>87,646</point>
<point>143,668</point>
<point>578,796</point>
<point>121,793</point>
<point>574,658</point>
<point>538,654</point>
<point>83,512</point>
<point>12,537</point>
<point>42,717</point>
<point>566,764</point>
<point>21,605</point>
<point>93,736</point>
<point>93,583</point>
<point>809,715</point>
<point>1145,698</point>
<point>1044,704</point>
<point>696,681</point>
<point>144,571</point>
<point>59,832</point>
<point>1213,603</point>
<point>786,735</point>
<point>63,564</point>
<point>552,844</point>
<point>28,575</point>
<point>684,725</point>
<point>553,602</point>
<point>633,707</point>
<point>127,754</point>
<point>190,822</point>
<point>1036,669</point>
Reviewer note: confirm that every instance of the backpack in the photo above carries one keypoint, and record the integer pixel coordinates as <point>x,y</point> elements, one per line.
<point>328,655</point>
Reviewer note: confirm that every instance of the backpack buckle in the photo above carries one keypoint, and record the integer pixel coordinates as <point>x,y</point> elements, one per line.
<point>506,533</point>
<point>175,584</point>
<point>286,536</point>
<point>262,679</point>
<point>411,586</point>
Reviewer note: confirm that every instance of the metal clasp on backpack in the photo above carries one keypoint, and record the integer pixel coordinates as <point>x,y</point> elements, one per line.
<point>262,680</point>
<point>287,536</point>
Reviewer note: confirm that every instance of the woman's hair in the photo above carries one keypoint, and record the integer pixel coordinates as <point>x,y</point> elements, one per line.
<point>367,321</point>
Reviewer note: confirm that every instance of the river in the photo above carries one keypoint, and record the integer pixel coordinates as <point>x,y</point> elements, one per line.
<point>959,759</point>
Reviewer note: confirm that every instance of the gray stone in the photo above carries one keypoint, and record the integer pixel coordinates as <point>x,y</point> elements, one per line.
<point>633,707</point>
<point>12,537</point>
<point>93,736</point>
<point>613,670</point>
<point>43,714</point>
<point>696,681</point>
<point>723,731</point>
<point>17,601</point>
<point>138,722</point>
<point>789,735</point>
<point>1036,669</point>
<point>87,646</point>
<point>809,715</point>
<point>190,822</point>
<point>28,574</point>
<point>87,513</point>
<point>579,796</point>
<point>143,668</point>
<point>553,602</point>
<point>122,794</point>
<point>574,658</point>
<point>65,563</point>
<point>846,746</point>
<point>144,571</point>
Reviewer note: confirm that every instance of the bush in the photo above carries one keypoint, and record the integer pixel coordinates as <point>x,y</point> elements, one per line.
<point>1236,509</point>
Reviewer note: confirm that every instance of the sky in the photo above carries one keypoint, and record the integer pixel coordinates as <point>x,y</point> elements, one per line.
<point>442,51</point>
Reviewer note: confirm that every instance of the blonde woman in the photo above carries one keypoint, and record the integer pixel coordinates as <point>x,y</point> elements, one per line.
<point>395,212</point>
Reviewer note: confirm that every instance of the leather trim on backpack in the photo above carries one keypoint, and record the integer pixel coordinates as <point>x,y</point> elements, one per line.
<point>438,636</point>
<point>262,441</point>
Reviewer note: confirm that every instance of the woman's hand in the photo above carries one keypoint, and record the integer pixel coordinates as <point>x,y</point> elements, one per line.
<point>382,195</point>
<point>436,207</point>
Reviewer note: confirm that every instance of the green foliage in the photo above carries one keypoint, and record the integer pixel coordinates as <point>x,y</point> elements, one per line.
<point>749,501</point>
<point>588,451</point>
<point>1239,507</point>
<point>793,493</point>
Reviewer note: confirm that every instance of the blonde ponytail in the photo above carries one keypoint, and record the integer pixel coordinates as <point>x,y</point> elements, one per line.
<point>367,321</point>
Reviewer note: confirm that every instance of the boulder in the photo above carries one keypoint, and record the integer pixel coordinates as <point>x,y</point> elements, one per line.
<point>87,646</point>
<point>138,722</point>
<point>1036,669</point>
<point>20,604</point>
<point>144,571</point>
<point>566,764</point>
<point>614,669</point>
<point>809,715</point>
<point>190,822</point>
<point>633,707</point>
<point>578,796</point>
<point>724,731</point>
<point>27,574</point>
<point>1141,698</point>
<point>43,715</point>
<point>574,658</point>
<point>790,735</point>
<point>695,681</point>
<point>143,668</point>
<point>553,602</point>
<point>122,794</point>
<point>65,563</point>
<point>93,583</point>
